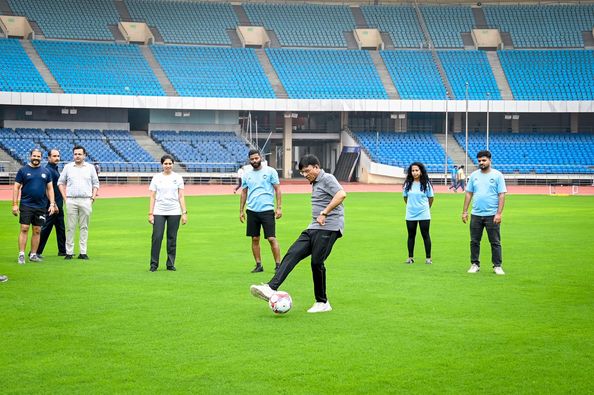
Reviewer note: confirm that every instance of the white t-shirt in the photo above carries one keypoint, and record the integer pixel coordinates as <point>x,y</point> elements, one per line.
<point>167,193</point>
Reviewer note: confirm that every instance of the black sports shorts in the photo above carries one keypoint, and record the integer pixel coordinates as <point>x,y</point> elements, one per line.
<point>265,219</point>
<point>32,216</point>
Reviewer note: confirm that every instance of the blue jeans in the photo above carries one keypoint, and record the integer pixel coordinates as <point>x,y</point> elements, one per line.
<point>477,224</point>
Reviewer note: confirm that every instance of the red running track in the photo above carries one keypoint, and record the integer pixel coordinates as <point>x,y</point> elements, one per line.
<point>292,186</point>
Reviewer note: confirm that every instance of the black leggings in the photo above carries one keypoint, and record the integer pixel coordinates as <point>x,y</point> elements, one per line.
<point>412,233</point>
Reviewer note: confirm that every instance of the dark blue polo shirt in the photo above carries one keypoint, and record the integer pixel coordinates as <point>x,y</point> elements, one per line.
<point>53,169</point>
<point>34,180</point>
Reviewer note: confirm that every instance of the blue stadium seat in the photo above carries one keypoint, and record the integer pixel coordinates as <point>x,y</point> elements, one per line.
<point>214,72</point>
<point>101,68</point>
<point>327,74</point>
<point>17,72</point>
<point>400,21</point>
<point>415,74</point>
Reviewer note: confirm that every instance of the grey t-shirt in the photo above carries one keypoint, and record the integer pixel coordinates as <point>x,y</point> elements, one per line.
<point>323,190</point>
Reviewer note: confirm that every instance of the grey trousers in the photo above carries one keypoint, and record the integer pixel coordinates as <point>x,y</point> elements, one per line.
<point>78,213</point>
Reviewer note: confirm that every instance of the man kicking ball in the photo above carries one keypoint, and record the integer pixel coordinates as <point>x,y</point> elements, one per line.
<point>317,240</point>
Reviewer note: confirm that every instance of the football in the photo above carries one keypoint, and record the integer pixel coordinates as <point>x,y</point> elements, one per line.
<point>280,302</point>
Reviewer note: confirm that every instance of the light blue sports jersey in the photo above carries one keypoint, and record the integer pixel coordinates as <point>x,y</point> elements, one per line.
<point>486,188</point>
<point>260,188</point>
<point>417,204</point>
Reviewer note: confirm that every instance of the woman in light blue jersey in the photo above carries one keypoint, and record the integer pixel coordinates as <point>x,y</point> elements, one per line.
<point>418,196</point>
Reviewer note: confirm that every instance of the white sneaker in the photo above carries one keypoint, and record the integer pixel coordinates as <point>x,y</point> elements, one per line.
<point>428,261</point>
<point>35,258</point>
<point>474,268</point>
<point>262,291</point>
<point>498,270</point>
<point>21,260</point>
<point>320,307</point>
<point>3,279</point>
<point>409,261</point>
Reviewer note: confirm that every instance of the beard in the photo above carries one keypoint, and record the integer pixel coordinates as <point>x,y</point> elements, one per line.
<point>256,165</point>
<point>35,162</point>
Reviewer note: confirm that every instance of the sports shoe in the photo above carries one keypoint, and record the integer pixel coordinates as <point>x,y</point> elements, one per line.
<point>83,256</point>
<point>258,269</point>
<point>171,268</point>
<point>68,257</point>
<point>428,261</point>
<point>3,279</point>
<point>474,268</point>
<point>320,307</point>
<point>21,260</point>
<point>262,291</point>
<point>409,261</point>
<point>35,258</point>
<point>61,254</point>
<point>153,268</point>
<point>498,270</point>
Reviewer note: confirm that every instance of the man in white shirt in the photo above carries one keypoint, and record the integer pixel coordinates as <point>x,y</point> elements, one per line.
<point>78,185</point>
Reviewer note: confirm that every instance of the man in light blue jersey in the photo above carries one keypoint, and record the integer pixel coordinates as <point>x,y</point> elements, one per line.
<point>487,186</point>
<point>259,188</point>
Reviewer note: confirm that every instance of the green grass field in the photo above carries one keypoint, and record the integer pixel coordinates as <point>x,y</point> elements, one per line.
<point>108,325</point>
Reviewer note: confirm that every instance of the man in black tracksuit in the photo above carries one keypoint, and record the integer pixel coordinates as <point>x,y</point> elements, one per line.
<point>57,219</point>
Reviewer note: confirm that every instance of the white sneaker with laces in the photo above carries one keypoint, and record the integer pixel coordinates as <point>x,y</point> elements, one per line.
<point>428,261</point>
<point>320,307</point>
<point>498,270</point>
<point>409,261</point>
<point>262,291</point>
<point>35,258</point>
<point>3,279</point>
<point>21,260</point>
<point>474,268</point>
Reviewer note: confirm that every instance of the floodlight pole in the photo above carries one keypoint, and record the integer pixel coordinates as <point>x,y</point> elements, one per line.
<point>488,103</point>
<point>445,169</point>
<point>466,143</point>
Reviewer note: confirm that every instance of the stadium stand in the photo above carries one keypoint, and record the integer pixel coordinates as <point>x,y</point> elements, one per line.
<point>327,74</point>
<point>304,25</point>
<point>543,25</point>
<point>472,67</point>
<point>446,23</point>
<point>70,19</point>
<point>549,74</point>
<point>540,153</point>
<point>113,150</point>
<point>400,21</point>
<point>415,74</point>
<point>214,72</point>
<point>186,21</point>
<point>17,72</point>
<point>203,151</point>
<point>401,149</point>
<point>101,68</point>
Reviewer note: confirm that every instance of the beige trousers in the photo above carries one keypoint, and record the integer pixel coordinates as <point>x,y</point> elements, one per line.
<point>78,212</point>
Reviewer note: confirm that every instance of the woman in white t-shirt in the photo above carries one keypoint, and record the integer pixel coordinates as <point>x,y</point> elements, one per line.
<point>167,206</point>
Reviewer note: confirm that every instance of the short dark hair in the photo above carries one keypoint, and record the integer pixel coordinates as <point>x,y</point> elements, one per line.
<point>79,147</point>
<point>49,153</point>
<point>484,152</point>
<point>35,149</point>
<point>254,151</point>
<point>165,157</point>
<point>309,160</point>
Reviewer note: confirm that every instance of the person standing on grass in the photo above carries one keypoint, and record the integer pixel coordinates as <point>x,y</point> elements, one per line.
<point>167,206</point>
<point>487,187</point>
<point>418,197</point>
<point>78,185</point>
<point>454,179</point>
<point>56,219</point>
<point>461,176</point>
<point>34,183</point>
<point>318,239</point>
<point>259,186</point>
